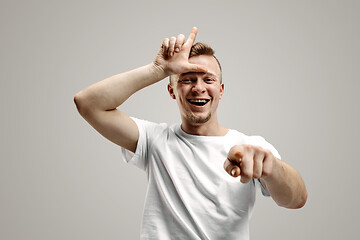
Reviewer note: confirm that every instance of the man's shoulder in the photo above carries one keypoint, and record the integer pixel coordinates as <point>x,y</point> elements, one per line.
<point>149,126</point>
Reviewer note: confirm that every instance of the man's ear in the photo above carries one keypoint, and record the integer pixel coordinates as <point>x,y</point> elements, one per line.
<point>222,86</point>
<point>171,91</point>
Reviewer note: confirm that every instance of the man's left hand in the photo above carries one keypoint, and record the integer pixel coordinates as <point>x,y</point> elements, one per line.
<point>249,162</point>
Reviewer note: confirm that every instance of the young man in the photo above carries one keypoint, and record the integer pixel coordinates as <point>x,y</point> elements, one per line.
<point>194,191</point>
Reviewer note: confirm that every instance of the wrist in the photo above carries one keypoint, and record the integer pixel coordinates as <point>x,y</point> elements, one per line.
<point>158,71</point>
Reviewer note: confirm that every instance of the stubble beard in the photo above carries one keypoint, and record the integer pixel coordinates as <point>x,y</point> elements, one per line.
<point>198,119</point>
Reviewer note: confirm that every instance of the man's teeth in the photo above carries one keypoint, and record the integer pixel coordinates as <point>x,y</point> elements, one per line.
<point>198,102</point>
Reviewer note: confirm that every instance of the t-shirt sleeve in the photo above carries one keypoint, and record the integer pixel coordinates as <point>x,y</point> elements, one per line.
<point>139,158</point>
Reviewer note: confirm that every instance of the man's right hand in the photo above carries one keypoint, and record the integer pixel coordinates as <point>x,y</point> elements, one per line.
<point>173,56</point>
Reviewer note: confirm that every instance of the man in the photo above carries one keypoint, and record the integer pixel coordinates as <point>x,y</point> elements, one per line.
<point>194,191</point>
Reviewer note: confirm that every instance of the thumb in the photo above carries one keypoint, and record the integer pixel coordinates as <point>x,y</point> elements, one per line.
<point>197,68</point>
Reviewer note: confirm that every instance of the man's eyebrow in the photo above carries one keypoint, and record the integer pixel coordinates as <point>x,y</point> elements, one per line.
<point>206,74</point>
<point>187,73</point>
<point>210,74</point>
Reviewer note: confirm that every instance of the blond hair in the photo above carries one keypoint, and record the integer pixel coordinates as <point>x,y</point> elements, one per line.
<point>200,48</point>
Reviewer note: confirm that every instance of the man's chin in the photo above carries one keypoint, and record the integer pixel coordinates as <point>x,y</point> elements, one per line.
<point>198,119</point>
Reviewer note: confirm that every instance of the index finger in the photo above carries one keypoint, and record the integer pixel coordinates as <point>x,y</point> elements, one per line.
<point>235,154</point>
<point>191,39</point>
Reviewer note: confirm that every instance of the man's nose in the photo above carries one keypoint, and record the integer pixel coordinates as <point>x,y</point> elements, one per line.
<point>198,86</point>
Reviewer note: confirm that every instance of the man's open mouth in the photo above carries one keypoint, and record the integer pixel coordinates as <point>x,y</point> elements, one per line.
<point>198,102</point>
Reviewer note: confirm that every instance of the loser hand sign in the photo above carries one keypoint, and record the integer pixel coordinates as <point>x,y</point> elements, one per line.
<point>173,56</point>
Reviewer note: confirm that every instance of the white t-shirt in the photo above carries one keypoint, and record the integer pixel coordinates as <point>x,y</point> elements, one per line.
<point>190,196</point>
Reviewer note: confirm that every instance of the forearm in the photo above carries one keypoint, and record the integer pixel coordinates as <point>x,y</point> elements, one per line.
<point>113,91</point>
<point>285,186</point>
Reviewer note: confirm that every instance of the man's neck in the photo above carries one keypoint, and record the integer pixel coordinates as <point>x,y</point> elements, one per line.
<point>204,129</point>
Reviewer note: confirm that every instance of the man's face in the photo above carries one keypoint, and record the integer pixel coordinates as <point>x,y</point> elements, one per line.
<point>197,94</point>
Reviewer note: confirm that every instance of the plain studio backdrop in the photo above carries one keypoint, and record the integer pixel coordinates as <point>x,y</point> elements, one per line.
<point>291,74</point>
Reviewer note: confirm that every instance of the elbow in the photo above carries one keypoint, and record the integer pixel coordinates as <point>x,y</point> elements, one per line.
<point>302,201</point>
<point>81,103</point>
<point>78,101</point>
<point>297,203</point>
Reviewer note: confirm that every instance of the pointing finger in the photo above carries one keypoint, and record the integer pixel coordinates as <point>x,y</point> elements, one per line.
<point>235,171</point>
<point>232,168</point>
<point>236,153</point>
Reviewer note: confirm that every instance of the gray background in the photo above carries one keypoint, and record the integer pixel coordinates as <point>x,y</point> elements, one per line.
<point>291,73</point>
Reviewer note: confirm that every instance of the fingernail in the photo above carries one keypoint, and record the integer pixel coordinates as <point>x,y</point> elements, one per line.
<point>177,49</point>
<point>233,172</point>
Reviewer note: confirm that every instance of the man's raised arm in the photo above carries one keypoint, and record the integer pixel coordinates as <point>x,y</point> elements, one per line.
<point>97,104</point>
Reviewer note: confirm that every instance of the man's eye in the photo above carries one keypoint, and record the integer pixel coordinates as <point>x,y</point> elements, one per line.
<point>209,80</point>
<point>186,81</point>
